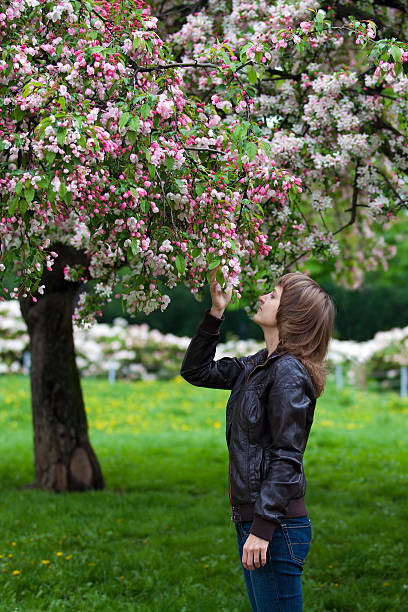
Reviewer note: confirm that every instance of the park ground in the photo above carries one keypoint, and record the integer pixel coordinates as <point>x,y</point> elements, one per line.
<point>159,537</point>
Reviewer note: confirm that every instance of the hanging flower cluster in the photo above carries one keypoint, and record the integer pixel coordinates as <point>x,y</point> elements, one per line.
<point>328,115</point>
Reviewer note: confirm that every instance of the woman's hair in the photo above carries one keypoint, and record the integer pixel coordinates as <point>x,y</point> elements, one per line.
<point>305,320</point>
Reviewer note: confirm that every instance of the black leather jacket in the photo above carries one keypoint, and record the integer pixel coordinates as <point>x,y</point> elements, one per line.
<point>268,419</point>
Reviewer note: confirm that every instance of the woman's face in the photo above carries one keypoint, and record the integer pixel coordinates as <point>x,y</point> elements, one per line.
<point>268,307</point>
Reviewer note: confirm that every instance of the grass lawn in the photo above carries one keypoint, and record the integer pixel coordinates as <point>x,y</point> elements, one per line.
<point>160,539</point>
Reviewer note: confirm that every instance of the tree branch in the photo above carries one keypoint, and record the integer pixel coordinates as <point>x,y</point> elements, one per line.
<point>353,205</point>
<point>204,150</point>
<point>194,64</point>
<point>391,186</point>
<point>282,75</point>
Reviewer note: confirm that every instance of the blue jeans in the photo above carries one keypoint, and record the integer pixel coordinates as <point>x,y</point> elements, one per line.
<point>277,586</point>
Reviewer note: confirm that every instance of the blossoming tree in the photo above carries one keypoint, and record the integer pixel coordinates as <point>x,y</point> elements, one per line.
<point>124,166</point>
<point>330,114</point>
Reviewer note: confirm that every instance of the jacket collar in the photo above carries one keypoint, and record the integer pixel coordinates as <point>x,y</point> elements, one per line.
<point>262,358</point>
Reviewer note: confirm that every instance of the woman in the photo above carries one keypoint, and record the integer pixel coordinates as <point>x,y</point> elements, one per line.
<point>268,419</point>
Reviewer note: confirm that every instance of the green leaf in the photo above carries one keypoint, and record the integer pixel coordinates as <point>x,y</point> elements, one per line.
<point>133,246</point>
<point>19,187</point>
<point>22,206</point>
<point>18,114</point>
<point>61,135</point>
<point>396,53</point>
<point>199,188</point>
<point>63,190</point>
<point>51,195</point>
<point>251,150</point>
<point>68,197</point>
<point>243,130</point>
<point>29,193</point>
<point>152,170</point>
<point>44,182</point>
<point>300,47</point>
<point>132,137</point>
<point>123,119</point>
<point>49,157</point>
<point>144,206</point>
<point>220,277</point>
<point>62,102</point>
<point>252,76</point>
<point>137,42</point>
<point>145,111</point>
<point>13,204</point>
<point>34,287</point>
<point>180,264</point>
<point>169,162</point>
<point>236,133</point>
<point>242,53</point>
<point>214,263</point>
<point>134,124</point>
<point>196,253</point>
<point>397,69</point>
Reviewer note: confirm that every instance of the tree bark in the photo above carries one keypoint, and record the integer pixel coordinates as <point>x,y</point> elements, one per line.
<point>63,457</point>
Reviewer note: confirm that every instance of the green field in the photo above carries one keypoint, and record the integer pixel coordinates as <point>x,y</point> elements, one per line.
<point>159,538</point>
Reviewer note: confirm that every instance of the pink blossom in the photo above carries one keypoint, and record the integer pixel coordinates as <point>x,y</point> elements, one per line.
<point>305,25</point>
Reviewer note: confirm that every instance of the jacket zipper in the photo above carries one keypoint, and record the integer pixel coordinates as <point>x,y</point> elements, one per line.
<point>260,365</point>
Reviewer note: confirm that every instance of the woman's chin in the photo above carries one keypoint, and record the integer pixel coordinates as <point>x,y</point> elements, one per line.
<point>256,318</point>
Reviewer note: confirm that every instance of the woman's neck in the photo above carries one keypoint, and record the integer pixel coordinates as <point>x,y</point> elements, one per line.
<point>271,339</point>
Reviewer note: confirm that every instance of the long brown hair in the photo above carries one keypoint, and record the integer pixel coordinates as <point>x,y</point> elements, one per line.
<point>305,320</point>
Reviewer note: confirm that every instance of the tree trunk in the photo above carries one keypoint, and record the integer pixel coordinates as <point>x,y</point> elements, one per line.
<point>63,457</point>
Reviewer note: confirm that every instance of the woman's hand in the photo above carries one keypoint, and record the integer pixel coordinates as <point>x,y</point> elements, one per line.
<point>254,552</point>
<point>220,300</point>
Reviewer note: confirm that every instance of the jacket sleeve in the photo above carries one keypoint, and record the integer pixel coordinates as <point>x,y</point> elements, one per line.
<point>199,367</point>
<point>290,414</point>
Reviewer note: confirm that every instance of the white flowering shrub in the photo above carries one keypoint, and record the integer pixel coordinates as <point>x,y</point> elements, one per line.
<point>136,352</point>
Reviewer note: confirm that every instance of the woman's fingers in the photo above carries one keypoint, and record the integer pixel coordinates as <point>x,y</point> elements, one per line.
<point>254,552</point>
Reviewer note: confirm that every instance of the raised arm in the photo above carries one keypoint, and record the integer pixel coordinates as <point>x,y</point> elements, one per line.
<point>199,367</point>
